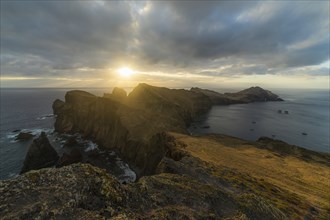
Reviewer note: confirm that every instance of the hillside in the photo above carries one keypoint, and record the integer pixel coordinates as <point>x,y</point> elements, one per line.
<point>209,177</point>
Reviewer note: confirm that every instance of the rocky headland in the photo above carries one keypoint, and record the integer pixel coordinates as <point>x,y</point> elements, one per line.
<point>133,124</point>
<point>179,176</point>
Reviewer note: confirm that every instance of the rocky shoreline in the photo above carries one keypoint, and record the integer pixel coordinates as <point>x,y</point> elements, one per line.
<point>133,124</point>
<point>179,176</point>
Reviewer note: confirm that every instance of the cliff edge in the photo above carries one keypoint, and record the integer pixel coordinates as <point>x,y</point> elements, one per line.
<point>133,124</point>
<point>209,177</point>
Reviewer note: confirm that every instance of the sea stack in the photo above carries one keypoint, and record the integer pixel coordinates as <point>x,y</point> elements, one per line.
<point>41,154</point>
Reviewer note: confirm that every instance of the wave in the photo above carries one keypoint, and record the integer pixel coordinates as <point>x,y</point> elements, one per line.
<point>128,175</point>
<point>43,117</point>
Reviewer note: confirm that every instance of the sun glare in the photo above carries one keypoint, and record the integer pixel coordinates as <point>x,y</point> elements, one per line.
<point>125,72</point>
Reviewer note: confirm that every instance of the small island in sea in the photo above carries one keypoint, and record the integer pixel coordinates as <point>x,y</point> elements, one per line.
<point>177,175</point>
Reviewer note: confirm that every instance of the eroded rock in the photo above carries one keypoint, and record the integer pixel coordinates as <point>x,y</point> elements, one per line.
<point>74,156</point>
<point>24,136</point>
<point>41,154</point>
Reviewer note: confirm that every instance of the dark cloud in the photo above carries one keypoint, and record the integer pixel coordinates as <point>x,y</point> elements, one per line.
<point>212,30</point>
<point>254,37</point>
<point>69,34</point>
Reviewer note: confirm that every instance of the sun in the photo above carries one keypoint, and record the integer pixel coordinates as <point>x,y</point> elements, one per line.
<point>125,72</point>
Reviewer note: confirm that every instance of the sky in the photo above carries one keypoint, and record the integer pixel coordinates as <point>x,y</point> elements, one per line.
<point>211,44</point>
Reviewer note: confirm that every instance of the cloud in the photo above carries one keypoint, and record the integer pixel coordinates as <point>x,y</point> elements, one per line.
<point>68,34</point>
<point>185,31</point>
<point>210,38</point>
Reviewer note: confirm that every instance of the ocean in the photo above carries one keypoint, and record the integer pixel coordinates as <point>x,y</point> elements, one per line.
<point>306,124</point>
<point>31,110</point>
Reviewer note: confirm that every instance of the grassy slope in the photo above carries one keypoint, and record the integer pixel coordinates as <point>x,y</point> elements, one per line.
<point>293,184</point>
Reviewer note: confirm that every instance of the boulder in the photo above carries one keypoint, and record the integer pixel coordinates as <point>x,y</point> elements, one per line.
<point>74,156</point>
<point>24,136</point>
<point>70,142</point>
<point>41,154</point>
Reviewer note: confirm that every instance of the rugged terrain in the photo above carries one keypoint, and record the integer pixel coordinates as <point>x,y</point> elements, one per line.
<point>132,124</point>
<point>209,177</point>
<point>180,176</point>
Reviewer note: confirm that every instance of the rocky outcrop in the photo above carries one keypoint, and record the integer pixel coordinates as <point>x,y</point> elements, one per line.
<point>198,178</point>
<point>130,124</point>
<point>24,136</point>
<point>180,104</point>
<point>41,154</point>
<point>117,94</point>
<point>77,191</point>
<point>215,97</point>
<point>130,127</point>
<point>70,142</point>
<point>253,94</point>
<point>81,191</point>
<point>74,156</point>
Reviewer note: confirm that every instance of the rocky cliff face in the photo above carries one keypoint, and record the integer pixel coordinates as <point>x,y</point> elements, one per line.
<point>81,191</point>
<point>208,177</point>
<point>131,124</point>
<point>180,104</point>
<point>215,97</point>
<point>40,154</point>
<point>253,94</point>
<point>211,177</point>
<point>117,94</point>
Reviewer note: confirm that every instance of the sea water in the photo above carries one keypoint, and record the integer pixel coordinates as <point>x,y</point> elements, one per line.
<point>306,124</point>
<point>30,110</point>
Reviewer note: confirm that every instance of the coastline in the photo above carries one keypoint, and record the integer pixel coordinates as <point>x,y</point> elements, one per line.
<point>178,175</point>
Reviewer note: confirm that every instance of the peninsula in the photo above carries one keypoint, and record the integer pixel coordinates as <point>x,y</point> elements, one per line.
<point>179,176</point>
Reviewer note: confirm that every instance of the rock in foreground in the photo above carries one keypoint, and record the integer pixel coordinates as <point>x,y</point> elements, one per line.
<point>41,154</point>
<point>209,177</point>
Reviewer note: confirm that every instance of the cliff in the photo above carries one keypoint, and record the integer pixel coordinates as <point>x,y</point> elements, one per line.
<point>133,124</point>
<point>253,94</point>
<point>181,176</point>
<point>215,97</point>
<point>41,154</point>
<point>209,177</point>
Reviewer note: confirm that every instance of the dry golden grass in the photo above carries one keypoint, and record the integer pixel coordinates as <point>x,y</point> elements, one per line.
<point>309,180</point>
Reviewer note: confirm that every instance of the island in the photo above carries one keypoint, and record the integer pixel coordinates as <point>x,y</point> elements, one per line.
<point>179,176</point>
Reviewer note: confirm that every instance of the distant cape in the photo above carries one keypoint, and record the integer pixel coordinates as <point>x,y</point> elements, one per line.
<point>133,124</point>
